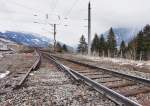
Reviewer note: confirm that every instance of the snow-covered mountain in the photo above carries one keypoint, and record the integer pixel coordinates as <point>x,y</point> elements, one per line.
<point>125,34</point>
<point>28,39</point>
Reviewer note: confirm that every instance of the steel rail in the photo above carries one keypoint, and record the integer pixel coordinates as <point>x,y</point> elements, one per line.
<point>112,95</point>
<point>62,67</point>
<point>35,66</point>
<point>112,72</point>
<point>118,98</point>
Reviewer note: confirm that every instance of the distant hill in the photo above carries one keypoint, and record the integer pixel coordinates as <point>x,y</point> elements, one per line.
<point>26,39</point>
<point>125,34</point>
<point>29,39</point>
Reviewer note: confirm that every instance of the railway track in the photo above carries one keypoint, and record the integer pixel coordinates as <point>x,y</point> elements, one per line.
<point>34,67</point>
<point>77,93</point>
<point>85,95</point>
<point>122,89</point>
<point>49,86</point>
<point>57,89</point>
<point>17,79</point>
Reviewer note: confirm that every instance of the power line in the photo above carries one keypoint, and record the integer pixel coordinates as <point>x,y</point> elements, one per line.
<point>70,10</point>
<point>56,2</point>
<point>27,7</point>
<point>41,11</point>
<point>30,8</point>
<point>53,9</point>
<point>55,6</point>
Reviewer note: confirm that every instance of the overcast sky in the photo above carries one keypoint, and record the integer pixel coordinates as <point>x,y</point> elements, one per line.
<point>20,15</point>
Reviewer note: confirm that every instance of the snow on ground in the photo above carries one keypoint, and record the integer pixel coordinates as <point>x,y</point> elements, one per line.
<point>2,75</point>
<point>129,67</point>
<point>118,61</point>
<point>125,66</point>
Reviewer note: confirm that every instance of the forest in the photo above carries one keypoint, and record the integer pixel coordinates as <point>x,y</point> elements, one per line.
<point>137,48</point>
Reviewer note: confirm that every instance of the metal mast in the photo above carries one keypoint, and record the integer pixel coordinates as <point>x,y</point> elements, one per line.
<point>54,37</point>
<point>89,29</point>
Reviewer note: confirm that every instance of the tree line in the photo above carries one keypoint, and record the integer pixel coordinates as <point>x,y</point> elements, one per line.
<point>137,48</point>
<point>61,48</point>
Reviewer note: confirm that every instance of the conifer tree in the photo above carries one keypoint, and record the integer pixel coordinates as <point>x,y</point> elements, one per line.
<point>122,49</point>
<point>140,45</point>
<point>95,44</point>
<point>102,45</point>
<point>146,42</point>
<point>132,48</point>
<point>82,47</point>
<point>58,47</point>
<point>65,48</point>
<point>111,43</point>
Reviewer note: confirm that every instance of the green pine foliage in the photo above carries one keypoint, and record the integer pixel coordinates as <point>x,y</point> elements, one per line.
<point>122,49</point>
<point>95,44</point>
<point>139,47</point>
<point>82,47</point>
<point>111,43</point>
<point>65,49</point>
<point>146,42</point>
<point>102,46</point>
<point>131,49</point>
<point>58,47</point>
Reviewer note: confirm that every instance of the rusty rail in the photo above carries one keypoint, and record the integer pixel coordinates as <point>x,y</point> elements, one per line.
<point>112,72</point>
<point>114,96</point>
<point>35,66</point>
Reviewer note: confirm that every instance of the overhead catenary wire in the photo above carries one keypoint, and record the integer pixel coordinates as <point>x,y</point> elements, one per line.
<point>68,13</point>
<point>55,6</point>
<point>26,7</point>
<point>31,8</point>
<point>70,10</point>
<point>39,11</point>
<point>42,11</point>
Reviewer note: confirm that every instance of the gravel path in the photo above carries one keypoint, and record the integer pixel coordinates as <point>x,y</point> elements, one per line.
<point>50,87</point>
<point>13,67</point>
<point>128,89</point>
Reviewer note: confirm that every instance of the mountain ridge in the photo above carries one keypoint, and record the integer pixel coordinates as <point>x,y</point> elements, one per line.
<point>29,39</point>
<point>123,33</point>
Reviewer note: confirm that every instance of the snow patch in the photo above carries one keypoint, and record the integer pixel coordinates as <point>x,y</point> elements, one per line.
<point>140,64</point>
<point>118,61</point>
<point>36,40</point>
<point>2,75</point>
<point>31,74</point>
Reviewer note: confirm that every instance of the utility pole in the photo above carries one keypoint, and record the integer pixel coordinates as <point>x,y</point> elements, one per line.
<point>54,37</point>
<point>54,25</point>
<point>89,29</point>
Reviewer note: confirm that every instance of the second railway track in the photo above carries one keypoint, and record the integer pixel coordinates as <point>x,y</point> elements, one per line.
<point>50,86</point>
<point>90,85</point>
<point>34,67</point>
<point>123,89</point>
<point>17,79</point>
